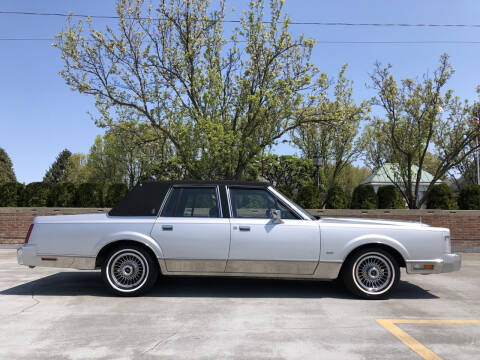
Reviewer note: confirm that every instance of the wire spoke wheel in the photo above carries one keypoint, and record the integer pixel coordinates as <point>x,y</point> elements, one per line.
<point>127,270</point>
<point>373,273</point>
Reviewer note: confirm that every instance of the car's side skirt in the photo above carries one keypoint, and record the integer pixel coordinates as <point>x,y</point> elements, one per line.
<point>256,268</point>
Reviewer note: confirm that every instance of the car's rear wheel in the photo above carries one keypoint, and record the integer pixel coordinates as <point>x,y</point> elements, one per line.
<point>129,271</point>
<point>371,273</point>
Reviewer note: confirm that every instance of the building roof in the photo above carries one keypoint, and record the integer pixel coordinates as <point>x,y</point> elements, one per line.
<point>388,172</point>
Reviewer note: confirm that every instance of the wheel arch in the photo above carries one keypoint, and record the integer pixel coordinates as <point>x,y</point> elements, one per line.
<point>399,258</point>
<point>109,246</point>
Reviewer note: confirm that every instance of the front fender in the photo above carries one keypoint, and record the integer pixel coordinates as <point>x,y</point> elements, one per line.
<point>374,239</point>
<point>129,235</point>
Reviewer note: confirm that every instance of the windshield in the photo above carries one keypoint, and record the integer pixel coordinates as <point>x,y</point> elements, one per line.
<point>297,207</point>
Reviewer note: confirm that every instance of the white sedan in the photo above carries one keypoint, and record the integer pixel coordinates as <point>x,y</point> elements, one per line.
<point>229,228</point>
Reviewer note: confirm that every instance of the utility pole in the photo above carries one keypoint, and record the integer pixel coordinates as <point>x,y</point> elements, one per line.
<point>316,163</point>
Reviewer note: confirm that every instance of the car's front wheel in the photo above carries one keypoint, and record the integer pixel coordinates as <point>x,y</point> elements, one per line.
<point>371,273</point>
<point>129,271</point>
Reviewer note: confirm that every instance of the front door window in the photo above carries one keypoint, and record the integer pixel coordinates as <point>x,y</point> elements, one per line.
<point>256,204</point>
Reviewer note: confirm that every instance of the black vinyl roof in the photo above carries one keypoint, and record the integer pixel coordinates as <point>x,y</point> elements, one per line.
<point>146,198</point>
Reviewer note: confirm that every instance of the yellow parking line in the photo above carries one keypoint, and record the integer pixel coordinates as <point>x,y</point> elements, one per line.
<point>410,341</point>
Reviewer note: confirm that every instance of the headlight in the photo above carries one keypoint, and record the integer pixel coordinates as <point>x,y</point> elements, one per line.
<point>448,244</point>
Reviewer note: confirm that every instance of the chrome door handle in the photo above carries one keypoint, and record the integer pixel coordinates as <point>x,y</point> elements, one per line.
<point>167,227</point>
<point>244,228</point>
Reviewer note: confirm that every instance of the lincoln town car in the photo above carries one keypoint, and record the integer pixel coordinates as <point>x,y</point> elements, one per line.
<point>230,228</point>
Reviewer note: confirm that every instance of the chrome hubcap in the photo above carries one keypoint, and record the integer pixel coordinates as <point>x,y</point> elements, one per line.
<point>128,269</point>
<point>373,273</point>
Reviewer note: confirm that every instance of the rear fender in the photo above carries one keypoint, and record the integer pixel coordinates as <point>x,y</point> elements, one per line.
<point>132,236</point>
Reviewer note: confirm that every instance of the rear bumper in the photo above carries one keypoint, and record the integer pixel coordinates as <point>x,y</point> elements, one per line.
<point>27,255</point>
<point>449,263</point>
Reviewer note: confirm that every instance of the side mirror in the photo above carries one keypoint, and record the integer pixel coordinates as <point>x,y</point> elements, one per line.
<point>276,216</point>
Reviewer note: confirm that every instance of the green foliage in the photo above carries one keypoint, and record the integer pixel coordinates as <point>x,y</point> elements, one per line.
<point>219,99</point>
<point>441,197</point>
<point>390,198</point>
<point>37,194</point>
<point>288,173</point>
<point>11,194</point>
<point>351,176</point>
<point>6,168</point>
<point>58,170</point>
<point>336,198</point>
<point>115,193</point>
<point>335,144</point>
<point>364,197</point>
<point>469,198</point>
<point>90,195</point>
<point>423,124</point>
<point>62,195</point>
<point>77,169</point>
<point>309,197</point>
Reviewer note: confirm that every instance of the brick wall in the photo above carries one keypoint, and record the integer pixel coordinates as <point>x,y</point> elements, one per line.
<point>463,224</point>
<point>14,222</point>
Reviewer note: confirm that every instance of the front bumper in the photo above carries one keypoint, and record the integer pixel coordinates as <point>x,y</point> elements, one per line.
<point>452,262</point>
<point>449,263</point>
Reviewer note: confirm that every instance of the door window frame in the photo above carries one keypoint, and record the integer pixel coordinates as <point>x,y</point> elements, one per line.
<point>280,201</point>
<point>170,192</point>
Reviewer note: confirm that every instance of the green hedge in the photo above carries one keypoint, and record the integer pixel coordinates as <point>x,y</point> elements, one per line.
<point>11,194</point>
<point>364,197</point>
<point>389,198</point>
<point>89,195</point>
<point>309,197</point>
<point>37,194</point>
<point>336,198</point>
<point>469,198</point>
<point>441,197</point>
<point>63,195</point>
<point>115,193</point>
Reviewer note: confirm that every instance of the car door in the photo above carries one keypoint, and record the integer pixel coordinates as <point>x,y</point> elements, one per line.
<point>258,245</point>
<point>191,231</point>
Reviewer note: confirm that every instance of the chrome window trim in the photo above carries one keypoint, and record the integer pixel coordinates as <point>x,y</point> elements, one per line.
<point>227,191</point>
<point>287,202</point>
<point>217,192</point>
<point>164,202</point>
<point>267,189</point>
<point>219,203</point>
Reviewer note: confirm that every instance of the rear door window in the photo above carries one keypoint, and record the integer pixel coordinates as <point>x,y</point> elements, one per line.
<point>192,202</point>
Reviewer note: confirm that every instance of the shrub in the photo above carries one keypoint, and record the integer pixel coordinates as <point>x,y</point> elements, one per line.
<point>336,198</point>
<point>469,198</point>
<point>389,198</point>
<point>441,197</point>
<point>115,193</point>
<point>11,194</point>
<point>309,197</point>
<point>62,195</point>
<point>285,191</point>
<point>364,197</point>
<point>36,194</point>
<point>89,195</point>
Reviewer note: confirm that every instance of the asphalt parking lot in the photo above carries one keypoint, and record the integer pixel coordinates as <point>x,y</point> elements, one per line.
<point>47,313</point>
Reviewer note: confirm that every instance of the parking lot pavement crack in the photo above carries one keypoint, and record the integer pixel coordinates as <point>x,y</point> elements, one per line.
<point>161,341</point>
<point>25,308</point>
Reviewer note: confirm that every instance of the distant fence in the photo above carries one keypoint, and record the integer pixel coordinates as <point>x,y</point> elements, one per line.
<point>463,224</point>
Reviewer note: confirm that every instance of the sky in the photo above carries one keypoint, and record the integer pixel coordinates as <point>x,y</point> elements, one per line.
<point>40,116</point>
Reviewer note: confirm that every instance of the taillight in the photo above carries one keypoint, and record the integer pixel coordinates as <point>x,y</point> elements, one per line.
<point>28,234</point>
